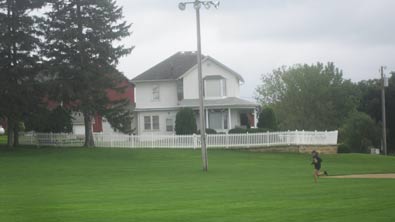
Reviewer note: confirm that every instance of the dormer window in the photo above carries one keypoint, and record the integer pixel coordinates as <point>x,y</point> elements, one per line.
<point>214,86</point>
<point>155,93</point>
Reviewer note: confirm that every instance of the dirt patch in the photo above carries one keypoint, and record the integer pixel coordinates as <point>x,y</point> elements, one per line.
<point>366,176</point>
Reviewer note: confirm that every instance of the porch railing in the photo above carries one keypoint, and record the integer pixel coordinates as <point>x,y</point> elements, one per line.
<point>185,141</point>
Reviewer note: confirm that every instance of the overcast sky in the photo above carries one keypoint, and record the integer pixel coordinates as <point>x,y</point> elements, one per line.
<point>253,37</point>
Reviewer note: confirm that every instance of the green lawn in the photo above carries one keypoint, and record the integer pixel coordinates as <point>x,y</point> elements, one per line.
<point>75,184</point>
<point>3,139</point>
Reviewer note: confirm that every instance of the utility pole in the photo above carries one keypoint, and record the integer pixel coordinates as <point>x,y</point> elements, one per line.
<point>197,5</point>
<point>383,110</point>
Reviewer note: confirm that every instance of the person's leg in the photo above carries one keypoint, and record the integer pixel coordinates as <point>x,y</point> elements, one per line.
<point>316,174</point>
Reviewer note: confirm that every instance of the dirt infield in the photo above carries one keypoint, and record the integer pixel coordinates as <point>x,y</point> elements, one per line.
<point>366,176</point>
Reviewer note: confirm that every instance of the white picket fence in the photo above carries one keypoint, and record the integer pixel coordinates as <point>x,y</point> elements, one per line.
<point>185,141</point>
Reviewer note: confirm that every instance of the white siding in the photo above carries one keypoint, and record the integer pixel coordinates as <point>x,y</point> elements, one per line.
<point>79,129</point>
<point>167,95</point>
<point>191,89</point>
<point>108,130</point>
<point>163,115</point>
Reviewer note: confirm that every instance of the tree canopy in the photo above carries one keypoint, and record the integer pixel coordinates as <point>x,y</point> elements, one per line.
<point>20,63</point>
<point>82,55</point>
<point>308,97</point>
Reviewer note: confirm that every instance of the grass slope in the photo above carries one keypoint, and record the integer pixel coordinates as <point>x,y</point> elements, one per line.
<point>168,185</point>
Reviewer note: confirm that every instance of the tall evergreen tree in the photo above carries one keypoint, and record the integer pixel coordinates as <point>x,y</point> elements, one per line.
<point>19,61</point>
<point>82,56</point>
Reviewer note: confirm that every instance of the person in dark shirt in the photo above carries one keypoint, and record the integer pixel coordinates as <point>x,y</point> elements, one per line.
<point>317,165</point>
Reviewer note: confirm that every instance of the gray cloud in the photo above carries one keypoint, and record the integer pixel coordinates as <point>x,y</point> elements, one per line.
<point>254,37</point>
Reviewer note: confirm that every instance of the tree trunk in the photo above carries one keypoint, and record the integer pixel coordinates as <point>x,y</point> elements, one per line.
<point>10,132</point>
<point>16,135</point>
<point>89,142</point>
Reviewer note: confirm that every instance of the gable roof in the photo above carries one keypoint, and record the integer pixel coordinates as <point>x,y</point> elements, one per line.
<point>175,67</point>
<point>170,68</point>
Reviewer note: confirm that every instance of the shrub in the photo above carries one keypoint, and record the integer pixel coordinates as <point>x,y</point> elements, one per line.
<point>343,148</point>
<point>208,131</point>
<point>267,119</point>
<point>359,132</point>
<point>250,130</point>
<point>237,130</point>
<point>257,130</point>
<point>185,122</point>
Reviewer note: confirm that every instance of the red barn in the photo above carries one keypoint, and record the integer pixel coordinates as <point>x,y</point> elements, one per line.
<point>99,124</point>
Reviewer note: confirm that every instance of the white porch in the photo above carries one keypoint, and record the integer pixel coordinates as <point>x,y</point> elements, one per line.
<point>224,119</point>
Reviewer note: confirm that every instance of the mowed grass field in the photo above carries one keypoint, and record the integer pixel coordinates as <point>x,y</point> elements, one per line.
<point>3,139</point>
<point>76,184</point>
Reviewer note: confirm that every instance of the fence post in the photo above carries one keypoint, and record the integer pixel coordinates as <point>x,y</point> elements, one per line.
<point>152,140</point>
<point>227,140</point>
<point>248,140</point>
<point>194,141</point>
<point>326,136</point>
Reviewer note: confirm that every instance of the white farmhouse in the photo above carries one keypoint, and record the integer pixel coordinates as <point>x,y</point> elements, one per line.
<point>173,83</point>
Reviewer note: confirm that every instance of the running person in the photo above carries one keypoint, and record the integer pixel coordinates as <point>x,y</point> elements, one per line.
<point>317,165</point>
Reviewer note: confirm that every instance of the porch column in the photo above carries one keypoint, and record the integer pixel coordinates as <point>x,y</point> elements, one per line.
<point>229,119</point>
<point>255,119</point>
<point>207,123</point>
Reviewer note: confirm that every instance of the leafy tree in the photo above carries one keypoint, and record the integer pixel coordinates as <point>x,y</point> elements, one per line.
<point>19,62</point>
<point>371,104</point>
<point>370,101</point>
<point>44,120</point>
<point>185,122</point>
<point>309,97</point>
<point>267,119</point>
<point>359,132</point>
<point>82,58</point>
<point>390,111</point>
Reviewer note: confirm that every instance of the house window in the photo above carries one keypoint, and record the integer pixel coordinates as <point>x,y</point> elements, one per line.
<point>147,122</point>
<point>218,120</point>
<point>155,93</point>
<point>155,122</point>
<point>169,125</point>
<point>180,90</point>
<point>214,87</point>
<point>151,122</point>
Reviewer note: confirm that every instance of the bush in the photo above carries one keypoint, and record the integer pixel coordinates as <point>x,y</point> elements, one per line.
<point>258,130</point>
<point>343,148</point>
<point>267,119</point>
<point>359,132</point>
<point>185,122</point>
<point>237,130</point>
<point>208,131</point>
<point>250,130</point>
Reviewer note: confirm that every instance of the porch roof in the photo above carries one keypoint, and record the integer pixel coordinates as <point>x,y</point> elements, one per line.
<point>229,102</point>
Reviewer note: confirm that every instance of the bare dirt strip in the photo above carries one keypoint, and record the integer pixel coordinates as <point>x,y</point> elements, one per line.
<point>366,176</point>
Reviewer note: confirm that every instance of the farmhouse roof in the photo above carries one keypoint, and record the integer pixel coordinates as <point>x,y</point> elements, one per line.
<point>175,67</point>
